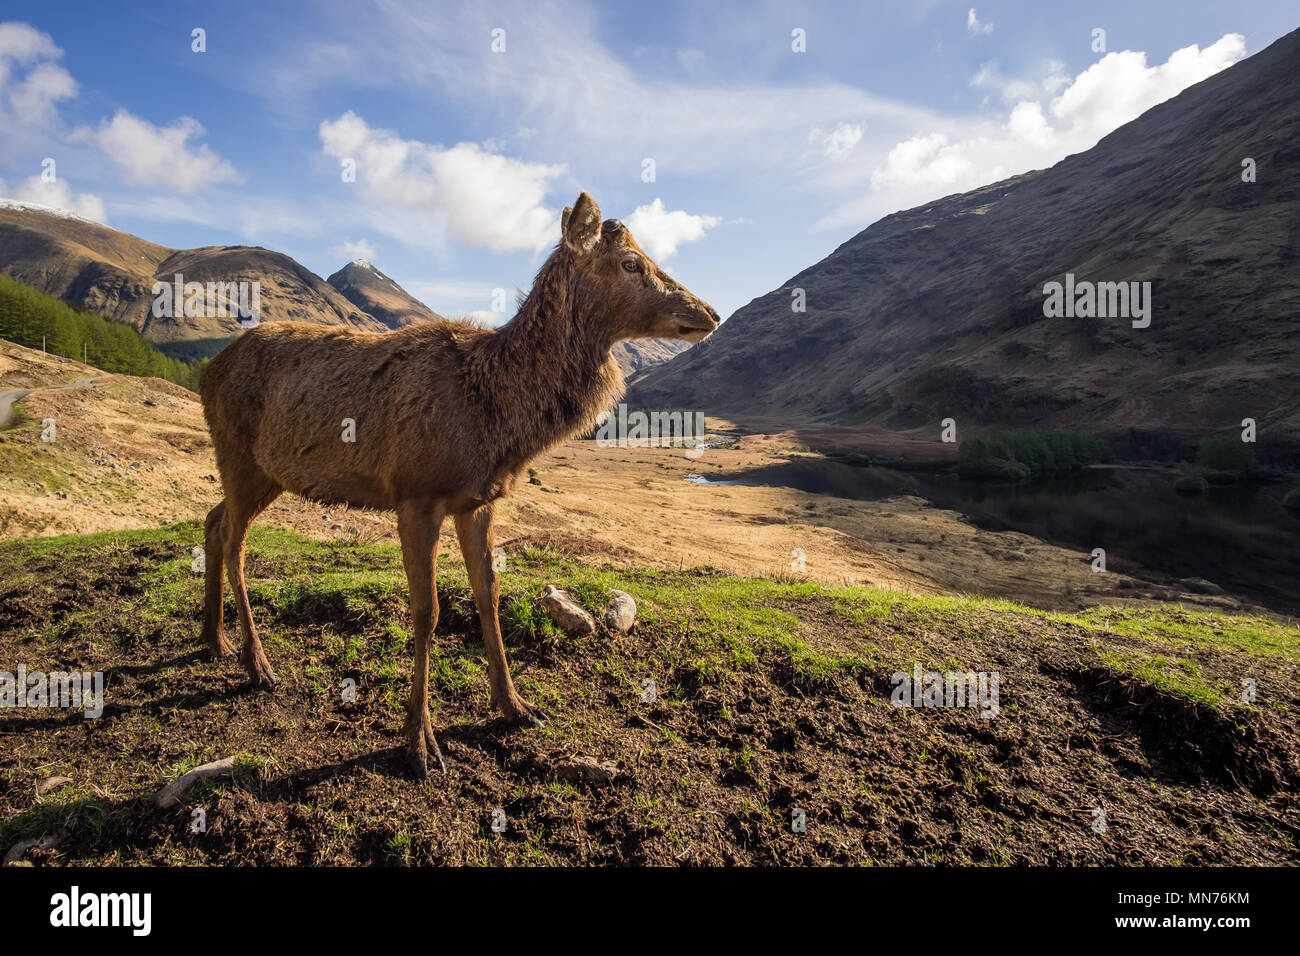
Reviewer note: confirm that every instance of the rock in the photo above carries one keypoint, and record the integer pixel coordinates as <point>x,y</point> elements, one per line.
<point>621,613</point>
<point>570,769</point>
<point>15,855</point>
<point>170,794</point>
<point>49,784</point>
<point>567,613</point>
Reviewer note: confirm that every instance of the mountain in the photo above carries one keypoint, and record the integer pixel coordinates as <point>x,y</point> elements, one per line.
<point>373,292</point>
<point>938,311</point>
<point>112,273</point>
<point>637,355</point>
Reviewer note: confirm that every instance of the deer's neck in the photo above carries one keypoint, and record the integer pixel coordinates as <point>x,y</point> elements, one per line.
<point>551,370</point>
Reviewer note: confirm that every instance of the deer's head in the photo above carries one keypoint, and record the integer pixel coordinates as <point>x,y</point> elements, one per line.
<point>637,298</point>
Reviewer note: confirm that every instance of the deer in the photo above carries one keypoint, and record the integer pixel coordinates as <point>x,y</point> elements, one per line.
<point>433,420</point>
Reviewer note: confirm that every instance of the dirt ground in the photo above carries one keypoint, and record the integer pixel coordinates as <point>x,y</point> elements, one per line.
<point>773,703</point>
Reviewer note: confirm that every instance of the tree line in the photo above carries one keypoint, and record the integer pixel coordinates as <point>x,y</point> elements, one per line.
<point>27,315</point>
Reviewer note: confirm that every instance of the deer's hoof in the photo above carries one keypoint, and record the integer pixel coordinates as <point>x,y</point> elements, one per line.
<point>419,763</point>
<point>262,679</point>
<point>523,714</point>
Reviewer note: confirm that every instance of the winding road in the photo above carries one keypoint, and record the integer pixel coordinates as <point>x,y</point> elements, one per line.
<point>8,398</point>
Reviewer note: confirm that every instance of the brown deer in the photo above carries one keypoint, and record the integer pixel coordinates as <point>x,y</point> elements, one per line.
<point>444,418</point>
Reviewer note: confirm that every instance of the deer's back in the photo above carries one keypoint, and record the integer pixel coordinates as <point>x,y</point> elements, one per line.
<point>339,415</point>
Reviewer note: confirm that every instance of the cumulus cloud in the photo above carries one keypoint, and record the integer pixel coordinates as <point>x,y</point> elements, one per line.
<point>57,194</point>
<point>660,231</point>
<point>1120,86</point>
<point>31,83</point>
<point>1111,92</point>
<point>481,197</point>
<point>352,251</point>
<point>160,155</point>
<point>976,27</point>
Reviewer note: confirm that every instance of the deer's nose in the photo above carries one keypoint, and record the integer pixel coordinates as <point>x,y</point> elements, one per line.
<point>714,313</point>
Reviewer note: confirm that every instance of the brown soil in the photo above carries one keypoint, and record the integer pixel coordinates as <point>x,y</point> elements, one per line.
<point>709,774</point>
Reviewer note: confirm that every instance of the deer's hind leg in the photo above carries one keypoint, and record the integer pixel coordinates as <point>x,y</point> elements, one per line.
<point>418,526</point>
<point>247,493</point>
<point>214,544</point>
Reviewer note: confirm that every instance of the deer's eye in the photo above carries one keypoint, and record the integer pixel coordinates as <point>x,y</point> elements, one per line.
<point>631,265</point>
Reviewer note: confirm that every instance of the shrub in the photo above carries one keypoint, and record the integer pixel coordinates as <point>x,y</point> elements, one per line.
<point>1227,453</point>
<point>1020,453</point>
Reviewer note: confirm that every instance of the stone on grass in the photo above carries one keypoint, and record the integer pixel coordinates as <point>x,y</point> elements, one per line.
<point>567,613</point>
<point>621,613</point>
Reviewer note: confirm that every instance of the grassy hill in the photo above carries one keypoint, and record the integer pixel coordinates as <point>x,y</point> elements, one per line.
<point>771,696</point>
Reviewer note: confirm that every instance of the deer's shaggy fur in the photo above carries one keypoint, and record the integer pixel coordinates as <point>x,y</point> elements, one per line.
<point>445,418</point>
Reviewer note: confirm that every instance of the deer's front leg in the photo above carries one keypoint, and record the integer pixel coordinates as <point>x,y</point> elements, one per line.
<point>474,529</point>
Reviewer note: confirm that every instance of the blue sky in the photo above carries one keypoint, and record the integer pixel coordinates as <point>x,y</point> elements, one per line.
<point>765,159</point>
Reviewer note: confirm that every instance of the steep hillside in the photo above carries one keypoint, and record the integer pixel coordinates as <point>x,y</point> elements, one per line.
<point>375,293</point>
<point>938,311</point>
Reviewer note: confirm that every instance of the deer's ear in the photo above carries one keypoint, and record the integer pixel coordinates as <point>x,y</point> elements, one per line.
<point>580,225</point>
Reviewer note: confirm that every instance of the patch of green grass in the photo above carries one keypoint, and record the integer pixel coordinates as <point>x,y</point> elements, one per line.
<point>710,628</point>
<point>1176,676</point>
<point>1256,636</point>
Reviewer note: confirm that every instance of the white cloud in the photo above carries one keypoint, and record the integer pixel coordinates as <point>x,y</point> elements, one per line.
<point>660,231</point>
<point>924,160</point>
<point>160,155</point>
<point>1111,92</point>
<point>839,142</point>
<point>352,251</point>
<point>24,44</point>
<point>32,100</point>
<point>975,26</point>
<point>58,195</point>
<point>480,197</point>
<point>31,83</point>
<point>572,95</point>
<point>1120,86</point>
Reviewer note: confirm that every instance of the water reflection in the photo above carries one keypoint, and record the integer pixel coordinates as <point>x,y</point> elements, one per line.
<point>1238,536</point>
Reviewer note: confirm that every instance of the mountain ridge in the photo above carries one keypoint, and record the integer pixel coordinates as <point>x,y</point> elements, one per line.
<point>937,311</point>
